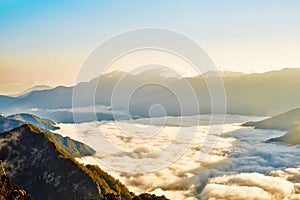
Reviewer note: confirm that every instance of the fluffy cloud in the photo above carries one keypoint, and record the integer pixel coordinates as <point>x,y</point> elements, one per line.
<point>248,186</point>
<point>280,184</point>
<point>128,150</point>
<point>217,191</point>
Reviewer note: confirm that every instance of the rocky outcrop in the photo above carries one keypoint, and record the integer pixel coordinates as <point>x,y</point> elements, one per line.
<point>9,190</point>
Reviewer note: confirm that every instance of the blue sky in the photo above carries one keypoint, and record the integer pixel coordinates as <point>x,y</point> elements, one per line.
<point>40,35</point>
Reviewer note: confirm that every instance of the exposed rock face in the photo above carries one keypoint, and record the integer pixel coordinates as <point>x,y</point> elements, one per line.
<point>9,190</point>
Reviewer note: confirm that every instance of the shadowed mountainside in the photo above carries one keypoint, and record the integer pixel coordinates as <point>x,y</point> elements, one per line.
<point>37,163</point>
<point>9,190</point>
<point>32,159</point>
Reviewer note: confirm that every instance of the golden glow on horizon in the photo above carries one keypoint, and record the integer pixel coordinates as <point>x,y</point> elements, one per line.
<point>61,68</point>
<point>49,69</point>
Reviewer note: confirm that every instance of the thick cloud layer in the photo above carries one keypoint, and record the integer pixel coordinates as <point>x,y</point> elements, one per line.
<point>237,153</point>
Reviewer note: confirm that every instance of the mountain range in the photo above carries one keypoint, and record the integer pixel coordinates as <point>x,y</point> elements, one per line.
<point>267,93</point>
<point>246,94</point>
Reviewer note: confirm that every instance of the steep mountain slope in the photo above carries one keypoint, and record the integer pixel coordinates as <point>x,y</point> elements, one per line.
<point>9,190</point>
<point>37,163</point>
<point>74,148</point>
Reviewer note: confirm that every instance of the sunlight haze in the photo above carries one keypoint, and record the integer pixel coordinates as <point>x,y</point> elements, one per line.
<point>47,41</point>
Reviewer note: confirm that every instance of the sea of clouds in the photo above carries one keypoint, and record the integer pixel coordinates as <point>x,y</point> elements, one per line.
<point>239,165</point>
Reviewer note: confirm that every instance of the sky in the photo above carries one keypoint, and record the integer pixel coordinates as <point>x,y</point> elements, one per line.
<point>47,41</point>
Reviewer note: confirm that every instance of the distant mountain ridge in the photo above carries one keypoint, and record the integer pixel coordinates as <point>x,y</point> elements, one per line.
<point>247,94</point>
<point>16,88</point>
<point>222,74</point>
<point>34,88</point>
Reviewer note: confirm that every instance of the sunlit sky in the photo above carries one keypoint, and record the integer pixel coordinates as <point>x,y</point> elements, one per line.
<point>47,41</point>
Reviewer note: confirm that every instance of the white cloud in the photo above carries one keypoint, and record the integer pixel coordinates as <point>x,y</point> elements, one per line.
<point>136,147</point>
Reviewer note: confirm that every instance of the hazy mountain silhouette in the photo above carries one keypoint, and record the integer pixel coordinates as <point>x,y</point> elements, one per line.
<point>247,94</point>
<point>34,88</point>
<point>222,74</point>
<point>18,87</point>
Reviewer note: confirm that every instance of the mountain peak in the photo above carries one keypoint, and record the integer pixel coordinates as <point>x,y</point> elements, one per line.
<point>160,72</point>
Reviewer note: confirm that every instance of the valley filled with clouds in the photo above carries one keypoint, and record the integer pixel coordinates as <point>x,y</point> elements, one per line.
<point>238,165</point>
